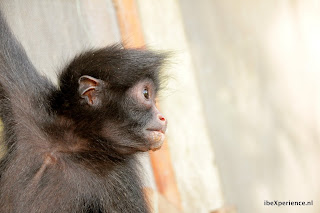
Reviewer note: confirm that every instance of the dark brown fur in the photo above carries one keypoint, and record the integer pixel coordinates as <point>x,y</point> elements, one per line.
<point>64,154</point>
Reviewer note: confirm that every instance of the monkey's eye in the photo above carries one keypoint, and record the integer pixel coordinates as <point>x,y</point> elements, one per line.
<point>146,93</point>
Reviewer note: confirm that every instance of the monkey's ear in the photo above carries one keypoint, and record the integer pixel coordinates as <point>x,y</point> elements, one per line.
<point>91,89</point>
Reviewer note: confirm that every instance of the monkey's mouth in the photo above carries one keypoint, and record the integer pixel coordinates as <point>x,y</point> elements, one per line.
<point>155,138</point>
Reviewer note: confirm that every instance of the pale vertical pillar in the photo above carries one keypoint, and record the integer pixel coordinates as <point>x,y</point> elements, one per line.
<point>190,146</point>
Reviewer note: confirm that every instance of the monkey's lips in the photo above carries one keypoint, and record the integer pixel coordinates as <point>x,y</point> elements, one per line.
<point>155,138</point>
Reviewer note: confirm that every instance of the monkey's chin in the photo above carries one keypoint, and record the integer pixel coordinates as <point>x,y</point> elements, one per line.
<point>155,138</point>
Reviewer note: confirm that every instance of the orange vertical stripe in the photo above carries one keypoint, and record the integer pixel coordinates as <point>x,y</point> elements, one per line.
<point>129,23</point>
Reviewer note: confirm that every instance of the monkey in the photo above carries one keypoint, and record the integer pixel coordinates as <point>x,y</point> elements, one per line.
<point>73,147</point>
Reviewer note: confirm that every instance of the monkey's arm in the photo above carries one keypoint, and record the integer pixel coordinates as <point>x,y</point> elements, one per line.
<point>21,87</point>
<point>17,72</point>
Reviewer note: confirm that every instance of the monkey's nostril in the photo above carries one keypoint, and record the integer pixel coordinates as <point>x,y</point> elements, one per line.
<point>161,118</point>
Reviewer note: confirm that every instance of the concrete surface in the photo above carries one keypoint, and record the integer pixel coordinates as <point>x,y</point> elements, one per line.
<point>258,71</point>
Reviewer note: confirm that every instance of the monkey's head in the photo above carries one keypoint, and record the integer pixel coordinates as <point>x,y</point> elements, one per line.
<point>110,94</point>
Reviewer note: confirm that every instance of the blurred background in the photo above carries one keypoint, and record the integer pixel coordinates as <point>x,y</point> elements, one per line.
<point>243,100</point>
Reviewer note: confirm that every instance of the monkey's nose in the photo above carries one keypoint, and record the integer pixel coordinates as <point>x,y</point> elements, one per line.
<point>162,118</point>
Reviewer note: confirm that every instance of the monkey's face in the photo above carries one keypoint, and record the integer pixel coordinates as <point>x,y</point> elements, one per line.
<point>151,123</point>
<point>132,121</point>
<point>137,124</point>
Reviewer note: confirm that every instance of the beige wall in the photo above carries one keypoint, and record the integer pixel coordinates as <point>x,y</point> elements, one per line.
<point>258,70</point>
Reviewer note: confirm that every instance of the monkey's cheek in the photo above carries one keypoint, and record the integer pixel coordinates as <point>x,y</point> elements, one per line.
<point>156,139</point>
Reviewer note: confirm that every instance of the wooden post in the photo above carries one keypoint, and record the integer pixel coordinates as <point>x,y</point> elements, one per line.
<point>132,36</point>
<point>128,20</point>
